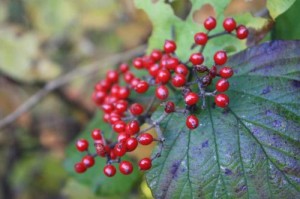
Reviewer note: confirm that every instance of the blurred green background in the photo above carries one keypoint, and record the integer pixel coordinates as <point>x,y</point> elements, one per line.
<point>41,40</point>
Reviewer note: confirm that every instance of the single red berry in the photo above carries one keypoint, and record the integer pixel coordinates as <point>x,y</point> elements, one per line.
<point>181,69</point>
<point>125,167</point>
<point>191,98</point>
<point>192,122</point>
<point>123,93</point>
<point>88,161</point>
<point>145,164</point>
<point>107,108</point>
<point>222,85</point>
<point>145,139</point>
<point>147,61</point>
<point>229,24</point>
<point>134,82</point>
<point>82,145</point>
<point>200,38</point>
<point>79,167</point>
<point>119,126</point>
<point>123,67</point>
<point>138,63</point>
<point>99,97</point>
<point>226,72</point>
<point>121,106</point>
<point>242,32</point>
<point>169,46</point>
<point>96,134</point>
<point>162,92</point>
<point>156,55</point>
<point>178,80</point>
<point>220,57</point>
<point>109,170</point>
<point>170,107</point>
<point>112,76</point>
<point>104,85</point>
<point>196,58</point>
<point>106,117</point>
<point>128,77</point>
<point>210,23</point>
<point>122,137</point>
<point>222,100</point>
<point>136,109</point>
<point>141,87</point>
<point>131,144</point>
<point>133,127</point>
<point>113,118</point>
<point>172,62</point>
<point>163,76</point>
<point>153,70</point>
<point>120,149</point>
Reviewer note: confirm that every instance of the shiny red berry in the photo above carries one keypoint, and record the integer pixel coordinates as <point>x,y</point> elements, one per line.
<point>229,24</point>
<point>222,100</point>
<point>226,72</point>
<point>162,92</point>
<point>156,55</point>
<point>169,46</point>
<point>128,77</point>
<point>96,134</point>
<point>191,98</point>
<point>122,137</point>
<point>200,38</point>
<point>145,139</point>
<point>145,164</point>
<point>178,80</point>
<point>112,76</point>
<point>222,85</point>
<point>210,23</point>
<point>141,87</point>
<point>136,109</point>
<point>109,170</point>
<point>79,167</point>
<point>196,58</point>
<point>82,145</point>
<point>119,126</point>
<point>123,93</point>
<point>131,144</point>
<point>133,127</point>
<point>171,63</point>
<point>163,76</point>
<point>120,149</point>
<point>220,57</point>
<point>138,63</point>
<point>181,69</point>
<point>125,167</point>
<point>121,106</point>
<point>99,97</point>
<point>192,122</point>
<point>153,70</point>
<point>123,67</point>
<point>169,107</point>
<point>88,161</point>
<point>242,32</point>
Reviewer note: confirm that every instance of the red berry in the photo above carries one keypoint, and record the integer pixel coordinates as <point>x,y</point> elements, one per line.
<point>191,98</point>
<point>104,84</point>
<point>119,126</point>
<point>82,145</point>
<point>196,58</point>
<point>123,93</point>
<point>79,167</point>
<point>192,122</point>
<point>98,97</point>
<point>128,77</point>
<point>163,76</point>
<point>220,57</point>
<point>113,118</point>
<point>210,23</point>
<point>229,24</point>
<point>170,107</point>
<point>172,62</point>
<point>122,137</point>
<point>88,161</point>
<point>147,61</point>
<point>162,92</point>
<point>141,87</point>
<point>222,85</point>
<point>112,76</point>
<point>123,68</point>
<point>131,144</point>
<point>134,82</point>
<point>138,63</point>
<point>156,55</point>
<point>169,46</point>
<point>120,149</point>
<point>226,72</point>
<point>136,109</point>
<point>153,70</point>
<point>242,32</point>
<point>109,170</point>
<point>200,38</point>
<point>121,106</point>
<point>125,167</point>
<point>145,139</point>
<point>145,164</point>
<point>107,108</point>
<point>181,69</point>
<point>112,155</point>
<point>96,134</point>
<point>133,127</point>
<point>178,80</point>
<point>222,100</point>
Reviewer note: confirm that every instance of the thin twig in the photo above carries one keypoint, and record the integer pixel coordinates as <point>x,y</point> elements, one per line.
<point>62,80</point>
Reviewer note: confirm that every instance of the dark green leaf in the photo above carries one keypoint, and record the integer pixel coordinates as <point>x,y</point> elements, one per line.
<point>249,151</point>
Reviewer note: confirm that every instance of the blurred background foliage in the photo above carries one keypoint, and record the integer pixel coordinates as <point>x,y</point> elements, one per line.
<point>43,39</point>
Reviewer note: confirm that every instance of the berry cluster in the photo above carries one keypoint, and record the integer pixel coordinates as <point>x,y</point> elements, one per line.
<point>166,73</point>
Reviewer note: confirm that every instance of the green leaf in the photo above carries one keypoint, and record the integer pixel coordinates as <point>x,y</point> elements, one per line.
<point>94,176</point>
<point>249,151</point>
<point>277,7</point>
<point>163,18</point>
